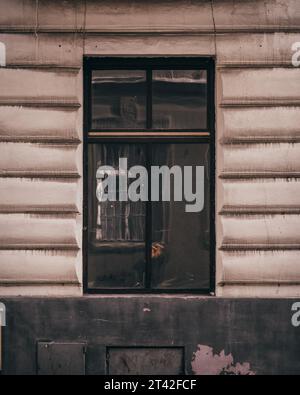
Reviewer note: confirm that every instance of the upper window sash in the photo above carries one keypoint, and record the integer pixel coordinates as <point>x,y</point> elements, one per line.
<point>148,107</point>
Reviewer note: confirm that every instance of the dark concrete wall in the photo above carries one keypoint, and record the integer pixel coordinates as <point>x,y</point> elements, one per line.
<point>254,332</point>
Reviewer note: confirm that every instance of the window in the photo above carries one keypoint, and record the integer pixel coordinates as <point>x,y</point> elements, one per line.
<point>149,175</point>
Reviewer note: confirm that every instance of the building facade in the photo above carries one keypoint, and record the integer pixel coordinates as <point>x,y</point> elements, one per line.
<point>52,57</point>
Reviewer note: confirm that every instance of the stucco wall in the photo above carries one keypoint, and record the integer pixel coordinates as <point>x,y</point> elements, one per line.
<point>257,132</point>
<point>216,335</point>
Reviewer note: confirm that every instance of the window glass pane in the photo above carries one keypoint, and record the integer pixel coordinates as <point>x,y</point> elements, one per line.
<point>179,99</point>
<point>116,229</point>
<point>118,99</point>
<point>180,239</point>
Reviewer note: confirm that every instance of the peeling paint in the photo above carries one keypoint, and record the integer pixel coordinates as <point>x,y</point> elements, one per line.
<point>205,362</point>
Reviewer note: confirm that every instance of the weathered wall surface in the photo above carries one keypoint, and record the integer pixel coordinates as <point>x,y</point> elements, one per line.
<point>214,335</point>
<point>257,132</point>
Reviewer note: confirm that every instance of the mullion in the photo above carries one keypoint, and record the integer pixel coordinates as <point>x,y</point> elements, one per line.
<point>148,243</point>
<point>149,99</point>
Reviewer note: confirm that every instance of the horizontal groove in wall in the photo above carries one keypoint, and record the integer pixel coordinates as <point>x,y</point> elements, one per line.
<point>137,30</point>
<point>38,174</point>
<point>51,103</point>
<point>39,140</point>
<point>253,210</point>
<point>42,177</point>
<point>44,66</point>
<point>255,65</point>
<point>38,210</point>
<point>258,175</point>
<point>37,282</point>
<point>259,247</point>
<point>40,247</point>
<point>260,103</point>
<point>260,291</point>
<point>260,140</point>
<point>40,290</point>
<point>257,282</point>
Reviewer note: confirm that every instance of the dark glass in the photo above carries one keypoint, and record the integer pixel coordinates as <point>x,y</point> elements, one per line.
<point>116,229</point>
<point>179,99</point>
<point>180,239</point>
<point>118,99</point>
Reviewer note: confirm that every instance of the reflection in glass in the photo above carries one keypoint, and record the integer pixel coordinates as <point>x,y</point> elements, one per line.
<point>180,240</point>
<point>179,99</point>
<point>118,99</point>
<point>116,228</point>
<point>180,245</point>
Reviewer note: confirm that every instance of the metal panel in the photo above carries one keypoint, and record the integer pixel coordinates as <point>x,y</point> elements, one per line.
<point>61,359</point>
<point>144,360</point>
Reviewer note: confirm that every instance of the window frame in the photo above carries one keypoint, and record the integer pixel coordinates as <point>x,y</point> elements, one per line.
<point>148,136</point>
